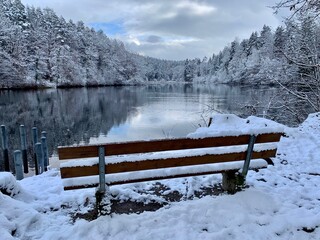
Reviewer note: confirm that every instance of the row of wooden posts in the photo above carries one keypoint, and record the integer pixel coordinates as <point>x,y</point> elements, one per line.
<point>40,152</point>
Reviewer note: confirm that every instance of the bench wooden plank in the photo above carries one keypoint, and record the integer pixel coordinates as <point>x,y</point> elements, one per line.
<point>70,172</point>
<point>74,187</point>
<point>161,145</point>
<point>143,180</point>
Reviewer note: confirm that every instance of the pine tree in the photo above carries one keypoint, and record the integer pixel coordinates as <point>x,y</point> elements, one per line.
<point>279,42</point>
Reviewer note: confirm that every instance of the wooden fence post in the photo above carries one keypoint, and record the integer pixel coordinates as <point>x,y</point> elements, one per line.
<point>39,158</point>
<point>5,148</point>
<point>45,152</point>
<point>34,141</point>
<point>43,134</point>
<point>18,164</point>
<point>23,142</point>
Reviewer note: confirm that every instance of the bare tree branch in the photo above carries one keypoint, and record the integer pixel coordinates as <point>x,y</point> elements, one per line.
<point>299,7</point>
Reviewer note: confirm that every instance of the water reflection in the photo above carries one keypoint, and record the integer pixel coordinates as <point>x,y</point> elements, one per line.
<point>119,113</point>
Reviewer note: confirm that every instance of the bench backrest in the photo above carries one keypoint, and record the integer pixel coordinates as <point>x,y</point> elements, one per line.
<point>77,169</point>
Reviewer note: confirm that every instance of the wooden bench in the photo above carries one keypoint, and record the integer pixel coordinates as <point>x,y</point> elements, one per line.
<point>130,162</point>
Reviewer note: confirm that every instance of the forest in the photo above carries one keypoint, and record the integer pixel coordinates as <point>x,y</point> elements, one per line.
<point>40,49</point>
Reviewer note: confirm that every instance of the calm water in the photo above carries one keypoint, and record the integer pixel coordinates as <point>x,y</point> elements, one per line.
<point>122,113</point>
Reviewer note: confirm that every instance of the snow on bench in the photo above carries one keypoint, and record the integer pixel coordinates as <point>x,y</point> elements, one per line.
<point>248,145</point>
<point>151,160</point>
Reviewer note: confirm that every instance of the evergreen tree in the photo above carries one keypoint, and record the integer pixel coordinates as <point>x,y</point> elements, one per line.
<point>188,71</point>
<point>279,42</point>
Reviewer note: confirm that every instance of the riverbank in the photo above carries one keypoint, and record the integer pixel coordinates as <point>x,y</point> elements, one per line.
<point>197,81</point>
<point>281,202</point>
<point>40,86</point>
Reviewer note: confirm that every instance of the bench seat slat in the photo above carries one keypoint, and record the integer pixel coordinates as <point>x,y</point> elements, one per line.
<point>80,152</point>
<point>79,171</point>
<point>153,175</point>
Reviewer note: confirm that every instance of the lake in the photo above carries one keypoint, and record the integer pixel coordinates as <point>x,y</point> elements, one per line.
<point>112,114</point>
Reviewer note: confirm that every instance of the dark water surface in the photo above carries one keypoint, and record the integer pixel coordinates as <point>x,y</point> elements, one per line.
<point>109,114</point>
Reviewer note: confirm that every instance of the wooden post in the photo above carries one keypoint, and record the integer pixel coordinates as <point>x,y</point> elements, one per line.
<point>39,158</point>
<point>34,141</point>
<point>5,148</point>
<point>45,152</point>
<point>229,181</point>
<point>18,164</point>
<point>43,134</point>
<point>23,142</point>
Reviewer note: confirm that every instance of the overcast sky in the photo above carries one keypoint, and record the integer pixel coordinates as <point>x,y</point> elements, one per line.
<point>169,29</point>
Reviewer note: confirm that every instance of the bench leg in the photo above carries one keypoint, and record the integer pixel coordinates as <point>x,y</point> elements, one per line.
<point>103,203</point>
<point>229,181</point>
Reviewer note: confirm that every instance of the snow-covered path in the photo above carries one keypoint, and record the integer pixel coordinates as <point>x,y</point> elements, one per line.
<point>282,202</point>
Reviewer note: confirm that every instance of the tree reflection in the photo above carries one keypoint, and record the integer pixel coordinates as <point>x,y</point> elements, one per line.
<point>67,115</point>
<point>73,116</point>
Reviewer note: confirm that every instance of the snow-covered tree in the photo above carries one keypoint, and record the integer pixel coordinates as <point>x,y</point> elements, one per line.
<point>279,42</point>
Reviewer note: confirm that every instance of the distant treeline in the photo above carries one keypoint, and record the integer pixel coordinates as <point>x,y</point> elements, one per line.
<point>40,49</point>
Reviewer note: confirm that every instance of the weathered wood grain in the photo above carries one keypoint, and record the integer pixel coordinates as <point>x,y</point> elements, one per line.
<point>82,171</point>
<point>161,145</point>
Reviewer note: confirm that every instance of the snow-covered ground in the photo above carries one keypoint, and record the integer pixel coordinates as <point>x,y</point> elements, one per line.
<point>282,202</point>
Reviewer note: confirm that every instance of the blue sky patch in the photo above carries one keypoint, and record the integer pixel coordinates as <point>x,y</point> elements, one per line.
<point>109,28</point>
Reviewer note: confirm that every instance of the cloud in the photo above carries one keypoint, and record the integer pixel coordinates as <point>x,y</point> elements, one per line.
<point>170,29</point>
<point>154,39</point>
<point>195,8</point>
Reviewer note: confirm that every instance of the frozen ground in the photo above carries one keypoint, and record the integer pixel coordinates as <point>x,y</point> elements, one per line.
<point>282,202</point>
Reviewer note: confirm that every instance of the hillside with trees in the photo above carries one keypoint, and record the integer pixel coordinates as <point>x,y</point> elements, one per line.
<point>266,57</point>
<point>40,49</point>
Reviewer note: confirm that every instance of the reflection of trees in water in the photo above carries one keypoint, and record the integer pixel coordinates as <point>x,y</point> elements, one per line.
<point>240,100</point>
<point>68,115</point>
<point>74,115</point>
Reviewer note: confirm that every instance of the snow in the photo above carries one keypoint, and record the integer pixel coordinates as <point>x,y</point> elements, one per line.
<point>168,154</point>
<point>9,184</point>
<point>282,202</point>
<point>232,125</point>
<point>259,163</point>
